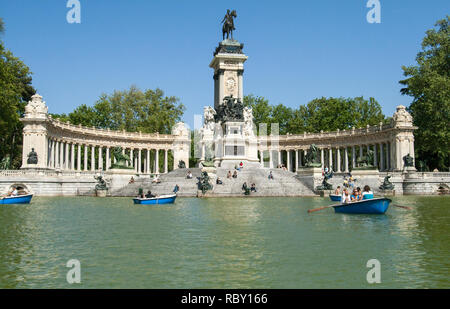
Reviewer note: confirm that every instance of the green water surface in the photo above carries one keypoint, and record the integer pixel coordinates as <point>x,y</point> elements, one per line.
<point>222,243</point>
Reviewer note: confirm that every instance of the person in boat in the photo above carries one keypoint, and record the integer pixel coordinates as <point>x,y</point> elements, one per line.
<point>189,175</point>
<point>218,181</point>
<point>345,197</point>
<point>229,175</point>
<point>176,189</point>
<point>253,187</point>
<point>14,192</point>
<point>235,174</point>
<point>338,190</point>
<point>355,196</point>
<point>149,194</point>
<point>367,194</point>
<point>359,193</point>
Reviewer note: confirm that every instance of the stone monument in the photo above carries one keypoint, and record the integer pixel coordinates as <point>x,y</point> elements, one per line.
<point>227,135</point>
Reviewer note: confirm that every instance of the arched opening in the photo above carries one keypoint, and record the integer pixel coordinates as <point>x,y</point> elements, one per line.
<point>21,188</point>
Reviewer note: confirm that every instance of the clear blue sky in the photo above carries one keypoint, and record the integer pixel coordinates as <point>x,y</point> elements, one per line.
<point>309,49</point>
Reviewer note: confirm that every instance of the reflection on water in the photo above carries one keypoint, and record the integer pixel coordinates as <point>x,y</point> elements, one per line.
<point>222,243</point>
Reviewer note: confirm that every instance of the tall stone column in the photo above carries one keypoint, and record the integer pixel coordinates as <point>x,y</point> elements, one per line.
<point>388,158</point>
<point>108,158</point>
<point>346,159</point>
<point>79,157</point>
<point>375,156</point>
<point>52,158</point>
<point>139,167</point>
<point>148,162</point>
<point>382,168</point>
<point>100,157</point>
<point>279,157</point>
<point>288,158</point>
<point>72,159</point>
<point>338,159</point>
<point>92,158</point>
<point>66,163</point>
<point>132,158</point>
<point>261,157</point>
<point>296,160</point>
<point>353,156</point>
<point>322,157</point>
<point>166,166</point>
<point>330,158</point>
<point>85,157</point>
<point>157,161</point>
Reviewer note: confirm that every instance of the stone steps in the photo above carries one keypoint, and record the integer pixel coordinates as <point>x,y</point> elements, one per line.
<point>284,183</point>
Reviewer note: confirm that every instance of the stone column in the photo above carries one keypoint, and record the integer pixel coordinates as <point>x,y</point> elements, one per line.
<point>92,158</point>
<point>108,161</point>
<point>296,160</point>
<point>375,159</point>
<point>72,159</point>
<point>346,159</point>
<point>388,159</point>
<point>100,158</point>
<point>322,157</point>
<point>166,158</point>
<point>338,159</point>
<point>79,157</point>
<point>288,158</point>
<point>330,158</point>
<point>132,158</point>
<point>279,157</point>
<point>85,157</point>
<point>52,163</point>
<point>261,158</point>
<point>353,156</point>
<point>139,167</point>
<point>148,162</point>
<point>381,157</point>
<point>66,156</point>
<point>157,161</point>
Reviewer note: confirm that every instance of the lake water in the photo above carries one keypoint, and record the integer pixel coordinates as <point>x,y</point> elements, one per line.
<point>222,243</point>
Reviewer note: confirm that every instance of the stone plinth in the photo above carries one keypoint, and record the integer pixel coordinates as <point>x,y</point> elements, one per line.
<point>121,171</point>
<point>101,193</point>
<point>310,176</point>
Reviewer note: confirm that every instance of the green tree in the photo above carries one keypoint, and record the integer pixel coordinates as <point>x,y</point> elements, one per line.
<point>16,91</point>
<point>428,83</point>
<point>131,110</point>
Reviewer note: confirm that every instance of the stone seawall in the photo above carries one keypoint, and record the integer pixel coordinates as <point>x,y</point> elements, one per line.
<point>58,183</point>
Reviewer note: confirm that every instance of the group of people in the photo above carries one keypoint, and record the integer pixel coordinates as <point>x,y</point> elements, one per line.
<point>356,194</point>
<point>150,195</point>
<point>234,175</point>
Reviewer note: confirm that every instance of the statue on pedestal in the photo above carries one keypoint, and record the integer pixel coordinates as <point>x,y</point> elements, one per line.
<point>121,159</point>
<point>366,162</point>
<point>228,24</point>
<point>311,157</point>
<point>181,164</point>
<point>408,160</point>
<point>325,185</point>
<point>203,182</point>
<point>32,157</point>
<point>386,185</point>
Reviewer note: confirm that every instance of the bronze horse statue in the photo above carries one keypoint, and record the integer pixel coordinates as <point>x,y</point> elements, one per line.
<point>228,24</point>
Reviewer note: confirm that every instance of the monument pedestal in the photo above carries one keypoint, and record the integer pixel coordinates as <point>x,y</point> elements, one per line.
<point>310,176</point>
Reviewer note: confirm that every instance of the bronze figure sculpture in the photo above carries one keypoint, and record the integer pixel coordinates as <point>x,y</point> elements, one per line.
<point>228,24</point>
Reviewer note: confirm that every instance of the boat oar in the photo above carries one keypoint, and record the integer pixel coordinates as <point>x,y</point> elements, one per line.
<point>320,208</point>
<point>400,206</point>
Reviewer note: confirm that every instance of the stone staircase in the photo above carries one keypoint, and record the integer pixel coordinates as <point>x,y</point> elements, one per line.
<point>284,183</point>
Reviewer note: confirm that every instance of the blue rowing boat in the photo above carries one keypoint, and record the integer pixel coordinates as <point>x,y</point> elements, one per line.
<point>335,197</point>
<point>162,199</point>
<point>369,206</point>
<point>18,199</point>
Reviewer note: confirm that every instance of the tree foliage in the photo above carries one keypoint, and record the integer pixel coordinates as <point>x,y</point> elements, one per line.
<point>15,92</point>
<point>428,83</point>
<point>131,110</point>
<point>325,114</point>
